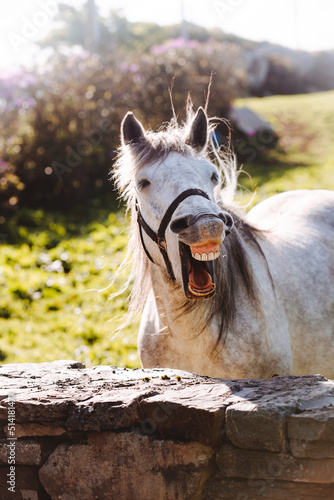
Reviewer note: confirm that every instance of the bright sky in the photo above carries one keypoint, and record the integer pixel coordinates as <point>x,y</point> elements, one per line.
<point>301,24</point>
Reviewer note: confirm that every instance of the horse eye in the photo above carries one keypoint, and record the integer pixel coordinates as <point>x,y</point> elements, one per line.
<point>215,178</point>
<point>143,183</point>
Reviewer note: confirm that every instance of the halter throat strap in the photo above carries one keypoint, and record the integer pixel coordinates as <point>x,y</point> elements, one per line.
<point>159,237</point>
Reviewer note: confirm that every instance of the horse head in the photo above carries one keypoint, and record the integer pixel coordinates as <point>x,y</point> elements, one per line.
<point>181,225</point>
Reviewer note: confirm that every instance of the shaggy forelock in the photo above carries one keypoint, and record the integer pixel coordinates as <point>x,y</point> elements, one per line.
<point>153,148</point>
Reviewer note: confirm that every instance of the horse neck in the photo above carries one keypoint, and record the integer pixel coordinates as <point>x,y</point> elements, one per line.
<point>176,313</point>
<point>236,267</point>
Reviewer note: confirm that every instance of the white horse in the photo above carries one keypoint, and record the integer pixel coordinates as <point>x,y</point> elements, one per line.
<point>223,294</point>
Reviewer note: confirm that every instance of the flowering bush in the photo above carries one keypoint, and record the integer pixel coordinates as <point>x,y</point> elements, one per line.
<point>60,126</point>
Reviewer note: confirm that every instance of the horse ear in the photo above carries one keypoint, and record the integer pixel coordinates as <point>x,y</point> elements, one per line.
<point>198,136</point>
<point>131,129</point>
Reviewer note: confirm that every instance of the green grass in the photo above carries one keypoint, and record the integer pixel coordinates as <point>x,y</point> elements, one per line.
<point>304,158</point>
<point>52,265</point>
<point>53,297</point>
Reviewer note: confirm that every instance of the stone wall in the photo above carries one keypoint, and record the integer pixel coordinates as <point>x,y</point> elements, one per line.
<point>107,433</point>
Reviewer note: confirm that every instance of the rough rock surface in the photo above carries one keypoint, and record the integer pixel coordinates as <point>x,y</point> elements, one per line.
<point>105,433</point>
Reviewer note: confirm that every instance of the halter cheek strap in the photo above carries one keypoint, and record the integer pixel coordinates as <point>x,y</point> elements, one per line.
<point>159,237</point>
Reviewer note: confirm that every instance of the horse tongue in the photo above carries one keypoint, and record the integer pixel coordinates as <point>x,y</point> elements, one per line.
<point>199,278</point>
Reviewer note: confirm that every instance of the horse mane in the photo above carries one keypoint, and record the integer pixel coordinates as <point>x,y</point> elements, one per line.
<point>234,268</point>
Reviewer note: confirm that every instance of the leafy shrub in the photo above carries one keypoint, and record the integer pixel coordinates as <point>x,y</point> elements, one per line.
<point>60,126</point>
<point>283,78</point>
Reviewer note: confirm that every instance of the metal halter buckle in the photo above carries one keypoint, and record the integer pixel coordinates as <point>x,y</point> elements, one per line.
<point>162,243</point>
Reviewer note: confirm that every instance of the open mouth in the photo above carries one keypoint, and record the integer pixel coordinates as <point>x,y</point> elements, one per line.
<point>197,270</point>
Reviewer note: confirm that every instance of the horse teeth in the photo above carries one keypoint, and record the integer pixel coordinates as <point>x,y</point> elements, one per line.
<point>204,256</point>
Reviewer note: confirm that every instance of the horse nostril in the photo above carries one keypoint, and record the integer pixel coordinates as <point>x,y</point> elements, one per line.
<point>180,224</point>
<point>227,219</point>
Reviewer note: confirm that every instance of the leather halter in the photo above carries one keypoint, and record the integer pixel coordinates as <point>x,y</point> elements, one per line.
<point>159,237</point>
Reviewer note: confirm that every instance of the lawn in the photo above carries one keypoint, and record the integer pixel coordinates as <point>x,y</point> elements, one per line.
<point>54,288</point>
<point>304,158</point>
<point>55,268</point>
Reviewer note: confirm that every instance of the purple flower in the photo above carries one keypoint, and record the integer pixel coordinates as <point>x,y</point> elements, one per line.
<point>18,78</point>
<point>27,80</point>
<point>158,49</point>
<point>9,75</point>
<point>134,68</point>
<point>175,43</point>
<point>3,165</point>
<point>251,133</point>
<point>11,82</point>
<point>18,102</point>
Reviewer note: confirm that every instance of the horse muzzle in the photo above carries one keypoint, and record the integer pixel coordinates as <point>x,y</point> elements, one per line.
<point>200,237</point>
<point>202,227</point>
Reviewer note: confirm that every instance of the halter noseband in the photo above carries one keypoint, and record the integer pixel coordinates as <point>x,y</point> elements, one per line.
<point>159,237</point>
